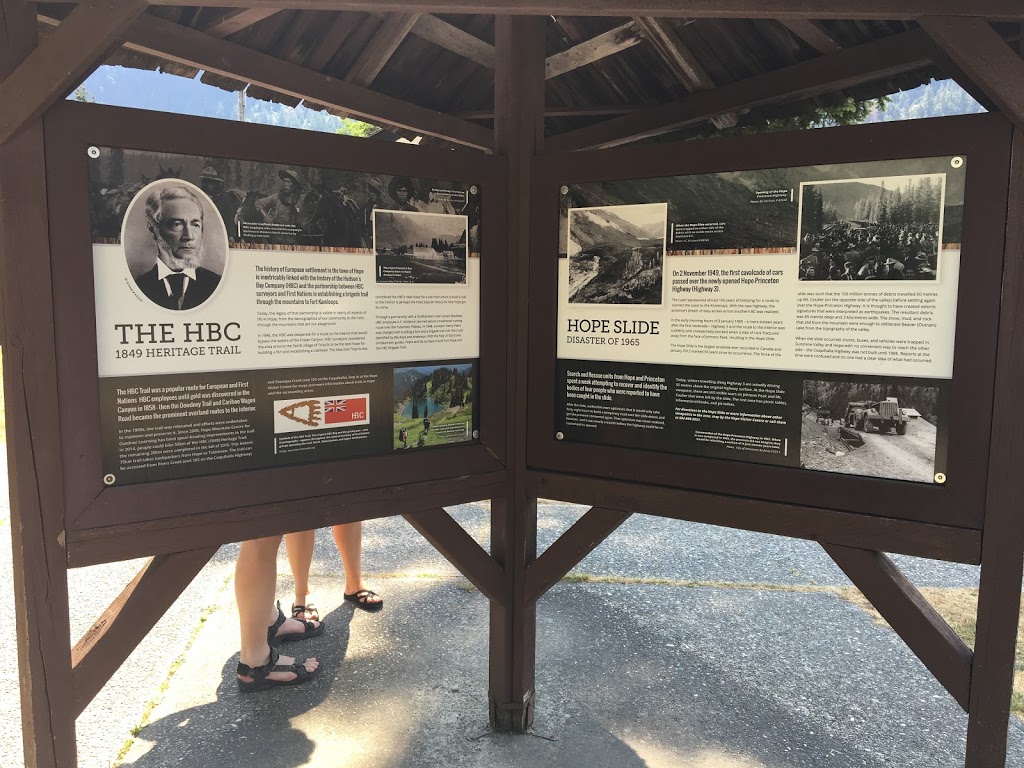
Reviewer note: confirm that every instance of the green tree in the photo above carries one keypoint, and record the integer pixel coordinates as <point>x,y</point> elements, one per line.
<point>848,112</point>
<point>82,94</point>
<point>350,127</point>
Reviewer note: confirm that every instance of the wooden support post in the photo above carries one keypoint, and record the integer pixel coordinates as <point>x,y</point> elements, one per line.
<point>519,136</point>
<point>70,53</point>
<point>124,624</point>
<point>911,616</point>
<point>37,512</point>
<point>1003,543</point>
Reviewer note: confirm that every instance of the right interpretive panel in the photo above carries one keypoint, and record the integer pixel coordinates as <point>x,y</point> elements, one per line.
<point>800,317</point>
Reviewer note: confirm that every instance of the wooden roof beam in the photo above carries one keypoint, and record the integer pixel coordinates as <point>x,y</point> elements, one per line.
<point>980,54</point>
<point>62,60</point>
<point>812,34</point>
<point>448,36</point>
<point>681,61</point>
<point>18,34</point>
<point>896,10</point>
<point>380,48</point>
<point>167,40</point>
<point>872,61</point>
<point>611,42</point>
<point>235,20</point>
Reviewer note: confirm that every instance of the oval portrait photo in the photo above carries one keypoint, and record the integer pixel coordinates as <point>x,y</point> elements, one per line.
<point>175,244</point>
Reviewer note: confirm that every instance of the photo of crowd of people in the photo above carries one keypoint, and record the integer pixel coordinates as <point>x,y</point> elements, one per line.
<point>871,229</point>
<point>264,205</point>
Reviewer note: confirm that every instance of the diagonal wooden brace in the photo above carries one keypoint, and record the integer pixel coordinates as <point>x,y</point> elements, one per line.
<point>64,58</point>
<point>911,616</point>
<point>571,547</point>
<point>982,55</point>
<point>124,624</point>
<point>451,540</point>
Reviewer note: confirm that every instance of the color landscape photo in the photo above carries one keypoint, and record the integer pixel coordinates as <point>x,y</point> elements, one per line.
<point>433,405</point>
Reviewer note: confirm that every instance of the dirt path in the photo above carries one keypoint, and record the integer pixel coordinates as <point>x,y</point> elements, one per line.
<point>907,457</point>
<point>902,457</point>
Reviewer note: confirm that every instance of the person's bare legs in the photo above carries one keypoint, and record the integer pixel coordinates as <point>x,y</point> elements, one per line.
<point>349,538</point>
<point>255,583</point>
<point>300,558</point>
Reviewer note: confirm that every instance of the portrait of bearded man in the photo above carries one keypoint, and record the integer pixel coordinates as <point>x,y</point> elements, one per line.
<point>175,220</point>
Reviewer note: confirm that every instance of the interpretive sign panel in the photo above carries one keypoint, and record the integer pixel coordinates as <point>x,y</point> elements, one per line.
<point>801,317</point>
<point>253,314</point>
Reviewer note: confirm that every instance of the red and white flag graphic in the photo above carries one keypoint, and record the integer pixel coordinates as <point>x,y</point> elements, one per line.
<point>351,409</point>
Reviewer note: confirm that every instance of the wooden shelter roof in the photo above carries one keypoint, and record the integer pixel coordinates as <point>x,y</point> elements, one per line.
<point>598,67</point>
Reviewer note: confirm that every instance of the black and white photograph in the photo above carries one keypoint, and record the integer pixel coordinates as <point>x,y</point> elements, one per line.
<point>414,247</point>
<point>872,229</point>
<point>870,429</point>
<point>175,244</point>
<point>617,254</point>
<point>268,206</point>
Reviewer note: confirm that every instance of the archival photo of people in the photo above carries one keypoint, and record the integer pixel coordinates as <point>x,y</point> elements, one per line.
<point>617,254</point>
<point>433,405</point>
<point>276,207</point>
<point>415,247</point>
<point>175,244</point>
<point>872,229</point>
<point>758,211</point>
<point>871,429</point>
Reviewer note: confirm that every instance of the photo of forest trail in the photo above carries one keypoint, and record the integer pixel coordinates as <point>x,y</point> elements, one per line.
<point>838,432</point>
<point>433,405</point>
<point>617,254</point>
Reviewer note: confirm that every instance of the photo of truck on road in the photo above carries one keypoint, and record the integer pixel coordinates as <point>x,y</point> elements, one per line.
<point>883,415</point>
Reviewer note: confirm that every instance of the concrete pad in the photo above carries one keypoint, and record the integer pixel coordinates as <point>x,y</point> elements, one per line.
<point>627,676</point>
<point>408,685</point>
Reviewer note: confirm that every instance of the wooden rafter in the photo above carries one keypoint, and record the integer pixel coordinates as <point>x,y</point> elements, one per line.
<point>235,20</point>
<point>900,10</point>
<point>448,36</point>
<point>380,48</point>
<point>160,38</point>
<point>681,61</point>
<point>63,59</point>
<point>812,34</point>
<point>611,42</point>
<point>908,612</point>
<point>608,111</point>
<point>123,625</point>
<point>17,35</point>
<point>978,51</point>
<point>852,66</point>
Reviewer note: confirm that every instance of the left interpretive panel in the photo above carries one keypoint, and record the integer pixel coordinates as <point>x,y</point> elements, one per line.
<point>251,315</point>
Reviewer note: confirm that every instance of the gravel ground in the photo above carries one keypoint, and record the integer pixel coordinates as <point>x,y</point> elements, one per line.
<point>627,674</point>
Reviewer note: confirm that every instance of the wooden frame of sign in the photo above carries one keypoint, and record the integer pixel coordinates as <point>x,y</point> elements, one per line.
<point>854,518</point>
<point>109,522</point>
<point>63,517</point>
